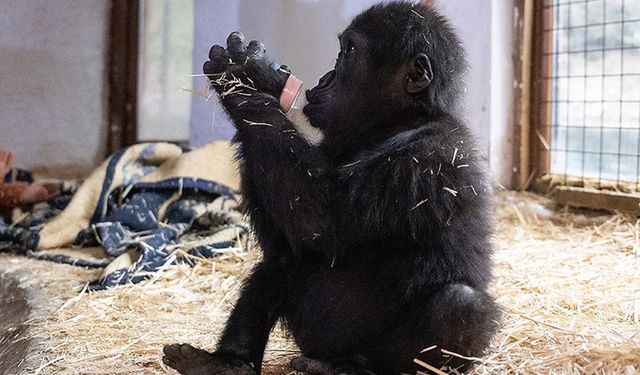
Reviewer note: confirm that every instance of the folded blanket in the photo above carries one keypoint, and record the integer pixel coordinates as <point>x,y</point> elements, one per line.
<point>143,207</point>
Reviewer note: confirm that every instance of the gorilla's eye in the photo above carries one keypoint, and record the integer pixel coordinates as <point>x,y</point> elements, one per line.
<point>349,48</point>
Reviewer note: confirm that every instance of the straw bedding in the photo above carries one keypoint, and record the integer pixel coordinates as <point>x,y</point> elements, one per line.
<point>569,284</point>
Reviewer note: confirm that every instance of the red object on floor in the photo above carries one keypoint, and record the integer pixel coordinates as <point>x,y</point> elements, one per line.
<point>16,194</point>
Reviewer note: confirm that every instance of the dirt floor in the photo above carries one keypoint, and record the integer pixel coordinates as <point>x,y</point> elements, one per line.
<point>569,284</point>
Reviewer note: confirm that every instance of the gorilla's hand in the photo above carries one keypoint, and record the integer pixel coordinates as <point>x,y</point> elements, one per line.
<point>243,68</point>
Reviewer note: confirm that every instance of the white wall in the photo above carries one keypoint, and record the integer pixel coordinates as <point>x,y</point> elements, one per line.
<point>52,70</point>
<point>302,34</point>
<point>472,20</point>
<point>502,85</point>
<point>486,29</point>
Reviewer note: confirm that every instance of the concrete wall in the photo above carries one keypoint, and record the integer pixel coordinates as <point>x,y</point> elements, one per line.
<point>52,86</point>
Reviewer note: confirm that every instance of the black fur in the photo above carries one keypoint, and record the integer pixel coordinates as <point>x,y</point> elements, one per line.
<point>376,243</point>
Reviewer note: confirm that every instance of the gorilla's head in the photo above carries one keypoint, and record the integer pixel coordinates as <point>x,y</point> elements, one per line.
<point>399,65</point>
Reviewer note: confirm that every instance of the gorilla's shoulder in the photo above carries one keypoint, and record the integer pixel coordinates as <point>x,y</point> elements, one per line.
<point>432,137</point>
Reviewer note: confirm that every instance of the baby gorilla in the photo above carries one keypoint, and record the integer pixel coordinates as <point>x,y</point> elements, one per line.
<point>375,242</point>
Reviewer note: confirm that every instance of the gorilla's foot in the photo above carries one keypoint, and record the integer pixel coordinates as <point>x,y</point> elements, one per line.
<point>312,366</point>
<point>188,360</point>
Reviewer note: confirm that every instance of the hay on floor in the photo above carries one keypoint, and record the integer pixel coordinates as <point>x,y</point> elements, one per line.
<point>569,284</point>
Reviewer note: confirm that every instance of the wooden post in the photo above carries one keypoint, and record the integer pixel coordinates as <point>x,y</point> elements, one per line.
<point>123,74</point>
<point>525,96</point>
<point>540,95</point>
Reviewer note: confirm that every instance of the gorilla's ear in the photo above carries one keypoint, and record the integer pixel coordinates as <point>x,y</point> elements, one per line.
<point>419,73</point>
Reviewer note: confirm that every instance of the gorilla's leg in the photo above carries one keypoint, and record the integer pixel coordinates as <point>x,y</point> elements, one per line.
<point>242,344</point>
<point>459,319</point>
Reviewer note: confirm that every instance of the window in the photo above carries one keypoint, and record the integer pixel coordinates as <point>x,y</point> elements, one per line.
<point>165,66</point>
<point>592,53</point>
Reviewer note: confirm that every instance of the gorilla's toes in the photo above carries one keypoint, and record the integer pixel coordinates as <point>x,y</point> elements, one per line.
<point>187,360</point>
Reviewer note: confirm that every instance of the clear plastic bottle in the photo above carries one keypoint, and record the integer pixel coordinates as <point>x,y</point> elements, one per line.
<point>292,101</point>
<point>292,96</point>
<point>300,102</point>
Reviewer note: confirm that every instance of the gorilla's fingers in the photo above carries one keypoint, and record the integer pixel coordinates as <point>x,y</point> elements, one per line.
<point>256,49</point>
<point>219,60</point>
<point>217,52</point>
<point>236,47</point>
<point>212,68</point>
<point>235,39</point>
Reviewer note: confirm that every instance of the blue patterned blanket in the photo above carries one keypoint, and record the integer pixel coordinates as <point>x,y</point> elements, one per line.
<point>147,206</point>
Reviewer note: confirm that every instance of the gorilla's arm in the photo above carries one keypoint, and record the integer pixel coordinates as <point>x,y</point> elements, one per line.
<point>282,174</point>
<point>394,189</point>
<point>318,205</point>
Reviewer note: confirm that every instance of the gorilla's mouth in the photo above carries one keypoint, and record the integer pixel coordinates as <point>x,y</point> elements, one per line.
<point>317,94</point>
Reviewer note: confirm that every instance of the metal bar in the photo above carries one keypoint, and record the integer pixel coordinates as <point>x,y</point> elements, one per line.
<point>621,86</point>
<point>525,99</point>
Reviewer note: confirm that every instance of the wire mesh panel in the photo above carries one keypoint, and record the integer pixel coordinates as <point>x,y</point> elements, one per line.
<point>594,82</point>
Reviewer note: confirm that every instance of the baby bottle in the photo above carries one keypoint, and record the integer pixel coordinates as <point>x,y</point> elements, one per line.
<point>292,96</point>
<point>292,100</point>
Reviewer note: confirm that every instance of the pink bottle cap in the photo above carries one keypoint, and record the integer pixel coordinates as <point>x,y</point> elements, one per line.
<point>290,92</point>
